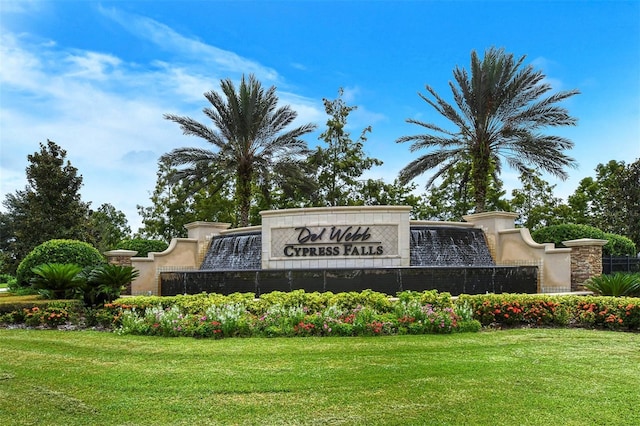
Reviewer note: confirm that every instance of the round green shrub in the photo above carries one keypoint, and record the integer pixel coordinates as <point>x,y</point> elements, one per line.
<point>57,251</point>
<point>617,245</point>
<point>142,246</point>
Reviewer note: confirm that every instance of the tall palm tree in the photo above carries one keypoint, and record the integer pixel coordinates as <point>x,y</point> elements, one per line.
<point>500,112</point>
<point>250,138</point>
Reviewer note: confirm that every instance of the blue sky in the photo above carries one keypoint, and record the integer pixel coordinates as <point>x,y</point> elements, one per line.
<point>96,77</point>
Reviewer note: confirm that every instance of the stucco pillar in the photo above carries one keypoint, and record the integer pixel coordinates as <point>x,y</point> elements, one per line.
<point>586,260</point>
<point>492,223</point>
<point>204,232</point>
<point>121,258</point>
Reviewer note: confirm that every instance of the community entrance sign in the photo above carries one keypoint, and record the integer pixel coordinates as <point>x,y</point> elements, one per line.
<point>372,236</point>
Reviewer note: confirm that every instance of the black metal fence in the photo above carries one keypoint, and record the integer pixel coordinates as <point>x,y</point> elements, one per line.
<point>612,264</point>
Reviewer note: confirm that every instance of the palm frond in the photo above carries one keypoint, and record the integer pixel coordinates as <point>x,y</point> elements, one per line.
<point>426,162</point>
<point>249,131</point>
<point>500,106</point>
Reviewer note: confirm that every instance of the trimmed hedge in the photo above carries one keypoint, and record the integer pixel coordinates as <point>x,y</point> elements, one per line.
<point>33,311</point>
<point>57,251</point>
<point>314,301</point>
<point>142,246</point>
<point>614,313</point>
<point>617,245</point>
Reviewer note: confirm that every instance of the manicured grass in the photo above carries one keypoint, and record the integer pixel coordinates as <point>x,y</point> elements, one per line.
<point>524,377</point>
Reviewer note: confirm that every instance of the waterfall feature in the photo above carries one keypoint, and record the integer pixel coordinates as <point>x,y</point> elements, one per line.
<point>448,246</point>
<point>447,258</point>
<point>234,252</point>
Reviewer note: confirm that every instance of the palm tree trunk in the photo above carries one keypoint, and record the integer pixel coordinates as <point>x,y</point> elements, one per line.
<point>480,170</point>
<point>243,195</point>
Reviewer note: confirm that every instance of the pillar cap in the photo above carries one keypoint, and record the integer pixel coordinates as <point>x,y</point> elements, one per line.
<point>120,253</point>
<point>585,242</point>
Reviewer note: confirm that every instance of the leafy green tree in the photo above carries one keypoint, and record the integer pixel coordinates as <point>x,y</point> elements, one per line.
<point>617,245</point>
<point>107,226</point>
<point>498,114</point>
<point>452,198</point>
<point>176,202</point>
<point>341,164</point>
<point>291,188</point>
<point>610,200</point>
<point>598,201</point>
<point>582,202</point>
<point>376,192</point>
<point>535,203</point>
<point>49,207</point>
<point>143,247</point>
<point>250,138</point>
<point>8,258</point>
<point>631,189</point>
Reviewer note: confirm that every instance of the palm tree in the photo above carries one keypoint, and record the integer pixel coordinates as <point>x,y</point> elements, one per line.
<point>250,138</point>
<point>500,112</point>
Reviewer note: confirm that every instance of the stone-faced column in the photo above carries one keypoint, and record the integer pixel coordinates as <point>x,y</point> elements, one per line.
<point>586,260</point>
<point>121,258</point>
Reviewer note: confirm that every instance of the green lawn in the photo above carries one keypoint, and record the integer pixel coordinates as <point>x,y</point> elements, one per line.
<point>515,377</point>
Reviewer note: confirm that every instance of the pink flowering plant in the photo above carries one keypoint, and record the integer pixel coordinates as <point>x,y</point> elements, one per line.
<point>416,318</point>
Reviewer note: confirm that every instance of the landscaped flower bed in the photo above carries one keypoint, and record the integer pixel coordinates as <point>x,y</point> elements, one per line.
<point>615,313</point>
<point>326,314</point>
<point>292,314</point>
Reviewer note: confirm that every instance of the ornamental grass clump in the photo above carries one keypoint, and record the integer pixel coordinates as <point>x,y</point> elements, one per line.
<point>104,283</point>
<point>57,280</point>
<point>618,284</point>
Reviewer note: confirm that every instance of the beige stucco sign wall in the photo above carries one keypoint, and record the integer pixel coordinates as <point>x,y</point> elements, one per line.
<point>336,237</point>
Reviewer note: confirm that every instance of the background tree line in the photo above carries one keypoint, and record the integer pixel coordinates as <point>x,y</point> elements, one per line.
<point>258,162</point>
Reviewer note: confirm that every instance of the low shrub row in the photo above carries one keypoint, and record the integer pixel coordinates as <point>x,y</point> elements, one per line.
<point>326,314</point>
<point>617,245</point>
<point>314,301</point>
<point>10,303</point>
<point>42,313</point>
<point>235,320</point>
<point>614,313</point>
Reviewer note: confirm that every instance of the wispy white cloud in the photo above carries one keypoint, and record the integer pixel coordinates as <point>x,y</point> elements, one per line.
<point>93,65</point>
<point>349,94</point>
<point>20,6</point>
<point>164,37</point>
<point>548,66</point>
<point>107,113</point>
